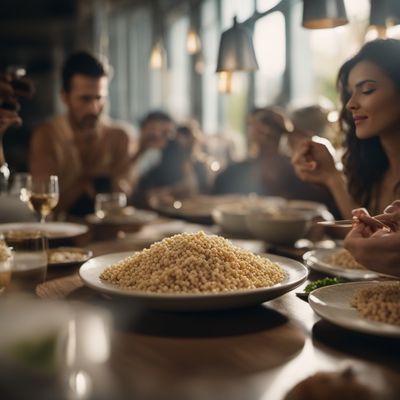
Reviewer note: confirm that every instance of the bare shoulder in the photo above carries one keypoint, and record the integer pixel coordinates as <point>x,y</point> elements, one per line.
<point>45,129</point>
<point>119,128</point>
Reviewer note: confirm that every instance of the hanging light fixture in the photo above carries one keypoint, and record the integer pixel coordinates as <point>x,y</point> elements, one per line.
<point>393,19</point>
<point>384,19</point>
<point>320,14</point>
<point>199,64</point>
<point>158,56</point>
<point>236,51</point>
<point>377,20</point>
<point>225,82</point>
<point>193,43</point>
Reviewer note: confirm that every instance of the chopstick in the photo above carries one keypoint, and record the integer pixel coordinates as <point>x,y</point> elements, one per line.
<point>341,223</point>
<point>348,223</point>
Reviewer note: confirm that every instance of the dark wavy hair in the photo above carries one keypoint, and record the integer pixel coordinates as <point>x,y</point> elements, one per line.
<point>365,160</point>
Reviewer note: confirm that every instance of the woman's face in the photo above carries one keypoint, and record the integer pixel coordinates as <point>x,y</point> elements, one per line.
<point>374,102</point>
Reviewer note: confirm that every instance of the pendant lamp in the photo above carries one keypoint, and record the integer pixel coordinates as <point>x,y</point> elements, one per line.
<point>320,14</point>
<point>236,51</point>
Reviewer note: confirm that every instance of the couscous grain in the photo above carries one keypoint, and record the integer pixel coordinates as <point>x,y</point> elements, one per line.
<point>193,263</point>
<point>344,259</point>
<point>380,302</point>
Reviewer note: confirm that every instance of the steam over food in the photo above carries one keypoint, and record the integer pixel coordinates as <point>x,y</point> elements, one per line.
<point>193,263</point>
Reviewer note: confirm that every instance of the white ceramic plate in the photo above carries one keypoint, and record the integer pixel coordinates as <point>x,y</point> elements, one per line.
<point>296,273</point>
<point>53,230</point>
<point>317,260</point>
<point>333,304</point>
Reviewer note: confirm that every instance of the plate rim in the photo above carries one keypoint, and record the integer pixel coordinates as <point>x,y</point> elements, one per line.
<point>108,289</point>
<point>80,229</point>
<point>368,326</point>
<point>322,266</point>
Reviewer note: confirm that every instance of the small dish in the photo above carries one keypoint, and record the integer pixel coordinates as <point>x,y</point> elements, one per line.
<point>319,260</point>
<point>68,256</point>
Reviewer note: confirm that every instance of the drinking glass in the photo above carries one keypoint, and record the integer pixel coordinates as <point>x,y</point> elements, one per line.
<point>19,184</point>
<point>5,265</point>
<point>29,263</point>
<point>107,204</point>
<point>43,194</point>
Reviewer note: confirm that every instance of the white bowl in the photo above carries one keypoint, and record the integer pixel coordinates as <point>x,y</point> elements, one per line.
<point>313,207</point>
<point>231,218</point>
<point>281,227</point>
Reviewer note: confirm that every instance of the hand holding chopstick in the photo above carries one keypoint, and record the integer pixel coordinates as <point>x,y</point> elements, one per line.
<point>376,248</point>
<point>361,215</point>
<point>389,221</point>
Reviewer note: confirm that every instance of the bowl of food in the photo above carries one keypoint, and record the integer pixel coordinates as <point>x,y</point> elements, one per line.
<point>279,226</point>
<point>317,210</point>
<point>231,217</point>
<point>68,256</point>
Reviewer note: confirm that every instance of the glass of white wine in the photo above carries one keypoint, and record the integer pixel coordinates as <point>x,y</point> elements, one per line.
<point>43,194</point>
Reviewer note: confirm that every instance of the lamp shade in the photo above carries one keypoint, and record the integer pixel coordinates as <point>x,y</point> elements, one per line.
<point>379,12</point>
<point>236,51</point>
<point>320,14</point>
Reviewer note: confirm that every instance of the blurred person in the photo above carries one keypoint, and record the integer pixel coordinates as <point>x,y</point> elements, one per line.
<point>181,172</point>
<point>310,122</point>
<point>265,127</point>
<point>267,171</point>
<point>11,87</point>
<point>169,179</point>
<point>156,128</point>
<point>189,137</point>
<point>374,246</point>
<point>369,85</point>
<point>86,150</point>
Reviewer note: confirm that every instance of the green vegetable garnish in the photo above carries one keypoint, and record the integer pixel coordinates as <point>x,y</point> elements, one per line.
<point>323,282</point>
<point>39,354</point>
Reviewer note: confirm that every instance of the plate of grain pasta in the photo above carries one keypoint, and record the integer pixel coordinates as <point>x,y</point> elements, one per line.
<point>337,262</point>
<point>370,307</point>
<point>193,272</point>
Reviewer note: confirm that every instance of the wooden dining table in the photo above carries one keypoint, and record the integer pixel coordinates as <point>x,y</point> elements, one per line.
<point>257,352</point>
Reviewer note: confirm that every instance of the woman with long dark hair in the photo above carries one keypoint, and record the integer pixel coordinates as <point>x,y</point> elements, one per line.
<point>369,86</point>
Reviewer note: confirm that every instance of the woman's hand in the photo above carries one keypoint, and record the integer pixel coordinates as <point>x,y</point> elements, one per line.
<point>314,163</point>
<point>375,247</point>
<point>8,106</point>
<point>388,221</point>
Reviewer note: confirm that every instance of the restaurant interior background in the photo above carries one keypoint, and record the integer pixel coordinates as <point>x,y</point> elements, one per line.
<point>296,66</point>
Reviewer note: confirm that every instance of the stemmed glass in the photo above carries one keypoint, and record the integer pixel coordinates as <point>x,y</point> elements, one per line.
<point>43,194</point>
<point>18,186</point>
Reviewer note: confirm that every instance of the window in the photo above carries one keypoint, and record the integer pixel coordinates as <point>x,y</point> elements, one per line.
<point>318,54</point>
<point>178,93</point>
<point>209,36</point>
<point>269,44</point>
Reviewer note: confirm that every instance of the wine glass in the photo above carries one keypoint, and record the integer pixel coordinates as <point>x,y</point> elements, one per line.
<point>43,194</point>
<point>18,186</point>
